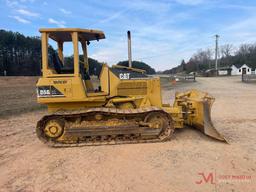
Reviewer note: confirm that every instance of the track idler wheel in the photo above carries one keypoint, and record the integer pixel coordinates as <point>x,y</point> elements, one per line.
<point>54,128</point>
<point>159,120</point>
<point>51,130</point>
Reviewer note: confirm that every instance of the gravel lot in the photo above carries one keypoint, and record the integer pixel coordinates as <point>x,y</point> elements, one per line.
<point>28,165</point>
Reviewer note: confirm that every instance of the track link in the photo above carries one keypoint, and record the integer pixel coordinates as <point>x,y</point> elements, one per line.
<point>89,127</point>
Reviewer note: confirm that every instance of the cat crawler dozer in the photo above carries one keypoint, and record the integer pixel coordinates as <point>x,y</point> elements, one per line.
<point>126,108</point>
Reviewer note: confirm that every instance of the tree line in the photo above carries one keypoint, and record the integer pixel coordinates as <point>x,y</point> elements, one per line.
<point>228,55</point>
<point>21,56</point>
<point>95,66</point>
<point>138,65</point>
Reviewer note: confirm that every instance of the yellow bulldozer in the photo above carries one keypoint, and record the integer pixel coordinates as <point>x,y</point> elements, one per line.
<point>126,108</point>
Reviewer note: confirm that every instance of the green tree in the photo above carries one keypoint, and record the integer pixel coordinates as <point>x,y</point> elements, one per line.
<point>94,65</point>
<point>138,65</point>
<point>19,55</point>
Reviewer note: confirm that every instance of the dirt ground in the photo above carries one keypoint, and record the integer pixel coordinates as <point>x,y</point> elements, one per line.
<point>189,162</point>
<point>17,95</point>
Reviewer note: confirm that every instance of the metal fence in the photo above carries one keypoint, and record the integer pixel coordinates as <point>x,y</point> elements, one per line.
<point>179,77</point>
<point>248,78</point>
<point>184,78</point>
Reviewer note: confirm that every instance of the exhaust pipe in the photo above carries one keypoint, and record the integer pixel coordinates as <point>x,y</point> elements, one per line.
<point>129,49</point>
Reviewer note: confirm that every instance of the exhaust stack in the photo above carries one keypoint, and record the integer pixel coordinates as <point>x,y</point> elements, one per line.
<point>129,49</point>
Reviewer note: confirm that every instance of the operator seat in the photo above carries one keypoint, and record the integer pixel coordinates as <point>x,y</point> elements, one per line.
<point>57,63</point>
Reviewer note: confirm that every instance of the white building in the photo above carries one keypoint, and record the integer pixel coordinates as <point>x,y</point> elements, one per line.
<point>240,69</point>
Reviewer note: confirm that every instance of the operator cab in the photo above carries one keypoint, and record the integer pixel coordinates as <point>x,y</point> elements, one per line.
<point>53,62</point>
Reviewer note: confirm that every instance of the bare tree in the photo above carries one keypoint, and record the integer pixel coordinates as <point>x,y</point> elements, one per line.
<point>244,49</point>
<point>226,50</point>
<point>202,58</point>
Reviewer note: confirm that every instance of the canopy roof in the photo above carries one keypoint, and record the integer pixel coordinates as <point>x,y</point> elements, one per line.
<point>64,34</point>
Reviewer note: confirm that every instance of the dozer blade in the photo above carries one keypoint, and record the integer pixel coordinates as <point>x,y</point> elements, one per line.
<point>207,126</point>
<point>196,106</point>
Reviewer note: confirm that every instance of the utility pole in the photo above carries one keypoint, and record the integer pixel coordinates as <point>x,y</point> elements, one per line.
<point>216,54</point>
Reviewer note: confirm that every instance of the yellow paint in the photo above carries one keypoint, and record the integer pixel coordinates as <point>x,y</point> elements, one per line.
<point>79,94</point>
<point>189,108</point>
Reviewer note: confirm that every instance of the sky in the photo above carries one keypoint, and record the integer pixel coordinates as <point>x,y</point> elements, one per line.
<point>163,31</point>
